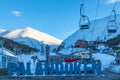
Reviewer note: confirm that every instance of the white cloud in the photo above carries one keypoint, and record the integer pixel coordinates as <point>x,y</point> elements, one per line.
<point>112,1</point>
<point>16,13</point>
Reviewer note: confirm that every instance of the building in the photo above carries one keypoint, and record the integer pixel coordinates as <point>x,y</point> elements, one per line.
<point>84,54</point>
<point>81,43</point>
<point>5,57</point>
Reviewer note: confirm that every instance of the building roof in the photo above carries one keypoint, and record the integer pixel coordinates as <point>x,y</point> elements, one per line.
<point>7,53</point>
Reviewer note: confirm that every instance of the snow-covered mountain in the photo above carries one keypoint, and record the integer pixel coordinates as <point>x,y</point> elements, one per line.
<point>97,31</point>
<point>30,36</point>
<point>2,30</point>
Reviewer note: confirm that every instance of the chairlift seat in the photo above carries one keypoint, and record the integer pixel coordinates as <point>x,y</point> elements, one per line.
<point>112,31</point>
<point>84,26</point>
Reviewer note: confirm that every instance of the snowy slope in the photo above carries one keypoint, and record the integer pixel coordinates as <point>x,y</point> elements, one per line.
<point>104,58</point>
<point>31,37</point>
<point>106,62</point>
<point>99,31</point>
<point>2,30</point>
<point>29,41</point>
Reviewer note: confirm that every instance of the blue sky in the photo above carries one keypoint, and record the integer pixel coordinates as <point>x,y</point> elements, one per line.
<point>59,18</point>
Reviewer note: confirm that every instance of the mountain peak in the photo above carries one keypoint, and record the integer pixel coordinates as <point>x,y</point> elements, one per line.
<point>2,30</point>
<point>32,33</point>
<point>28,28</point>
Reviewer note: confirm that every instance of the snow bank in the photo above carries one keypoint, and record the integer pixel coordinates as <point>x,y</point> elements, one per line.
<point>115,68</point>
<point>69,51</point>
<point>104,58</point>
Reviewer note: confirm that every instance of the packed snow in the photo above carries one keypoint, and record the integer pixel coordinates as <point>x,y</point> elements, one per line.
<point>104,58</point>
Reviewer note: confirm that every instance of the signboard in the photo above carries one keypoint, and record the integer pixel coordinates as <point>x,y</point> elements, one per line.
<point>56,68</point>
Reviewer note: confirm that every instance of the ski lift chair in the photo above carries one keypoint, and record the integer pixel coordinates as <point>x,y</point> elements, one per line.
<point>112,31</point>
<point>84,22</point>
<point>112,28</point>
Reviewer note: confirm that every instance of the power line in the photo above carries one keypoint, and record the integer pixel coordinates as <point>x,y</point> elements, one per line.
<point>115,4</point>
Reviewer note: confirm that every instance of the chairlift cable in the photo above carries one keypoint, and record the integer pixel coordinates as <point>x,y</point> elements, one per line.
<point>84,20</point>
<point>109,18</point>
<point>82,14</point>
<point>98,4</point>
<point>115,4</point>
<point>82,8</point>
<point>93,29</point>
<point>83,35</point>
